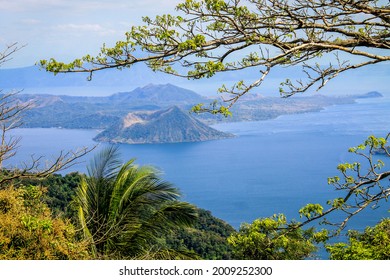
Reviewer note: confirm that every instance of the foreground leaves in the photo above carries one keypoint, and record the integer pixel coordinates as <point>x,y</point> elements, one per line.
<point>28,232</point>
<point>372,244</point>
<point>263,240</point>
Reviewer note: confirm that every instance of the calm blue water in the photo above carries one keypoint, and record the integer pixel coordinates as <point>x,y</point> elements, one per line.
<point>273,166</point>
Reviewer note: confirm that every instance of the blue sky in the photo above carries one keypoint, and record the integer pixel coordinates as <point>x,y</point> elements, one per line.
<point>67,29</point>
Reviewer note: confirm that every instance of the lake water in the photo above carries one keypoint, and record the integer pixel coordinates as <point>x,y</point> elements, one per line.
<point>273,166</point>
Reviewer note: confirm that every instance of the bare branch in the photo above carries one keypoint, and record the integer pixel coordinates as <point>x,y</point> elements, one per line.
<point>9,50</point>
<point>11,110</point>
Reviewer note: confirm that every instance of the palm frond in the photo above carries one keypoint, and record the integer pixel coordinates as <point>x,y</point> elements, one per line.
<point>105,164</point>
<point>124,208</point>
<point>143,233</point>
<point>87,234</point>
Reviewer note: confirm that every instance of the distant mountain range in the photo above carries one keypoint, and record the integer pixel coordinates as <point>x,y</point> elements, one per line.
<point>371,94</point>
<point>170,125</point>
<point>159,108</point>
<point>101,112</point>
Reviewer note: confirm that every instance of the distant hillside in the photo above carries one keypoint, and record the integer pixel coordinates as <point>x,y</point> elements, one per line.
<point>371,94</point>
<point>102,112</point>
<point>153,94</point>
<point>161,95</point>
<point>171,125</point>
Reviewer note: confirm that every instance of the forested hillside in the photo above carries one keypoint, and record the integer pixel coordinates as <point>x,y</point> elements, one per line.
<point>206,239</point>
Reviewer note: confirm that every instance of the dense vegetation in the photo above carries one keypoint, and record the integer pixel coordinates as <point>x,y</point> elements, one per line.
<point>60,192</point>
<point>372,244</point>
<point>262,240</point>
<point>28,231</point>
<point>206,238</point>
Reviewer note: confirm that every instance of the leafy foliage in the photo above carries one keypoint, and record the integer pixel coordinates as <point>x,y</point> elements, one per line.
<point>372,244</point>
<point>263,240</point>
<point>60,192</point>
<point>28,231</point>
<point>207,237</point>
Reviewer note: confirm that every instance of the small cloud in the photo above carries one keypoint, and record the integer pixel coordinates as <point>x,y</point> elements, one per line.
<point>30,21</point>
<point>78,29</point>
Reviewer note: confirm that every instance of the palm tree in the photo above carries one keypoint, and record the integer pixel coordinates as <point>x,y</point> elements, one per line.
<point>124,209</point>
